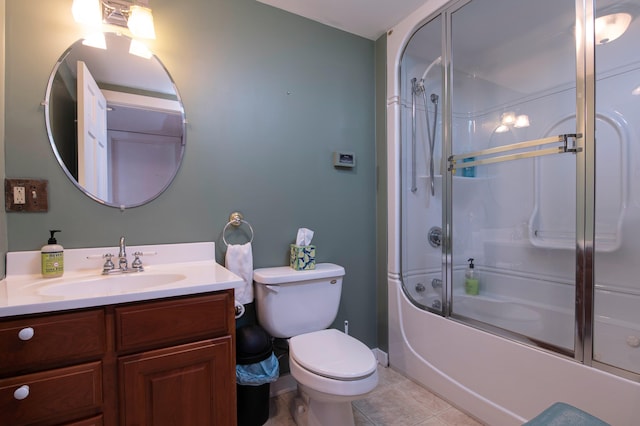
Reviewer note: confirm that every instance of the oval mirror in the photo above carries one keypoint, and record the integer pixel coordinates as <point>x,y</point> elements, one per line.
<point>115,120</point>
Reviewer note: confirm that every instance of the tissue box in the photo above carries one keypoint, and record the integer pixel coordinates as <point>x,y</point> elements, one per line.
<point>302,257</point>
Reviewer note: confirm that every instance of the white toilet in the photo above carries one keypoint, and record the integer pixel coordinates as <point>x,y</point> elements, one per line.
<point>331,368</point>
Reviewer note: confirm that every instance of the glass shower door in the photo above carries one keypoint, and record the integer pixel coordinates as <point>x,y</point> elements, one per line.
<point>616,333</point>
<point>421,190</point>
<point>513,169</point>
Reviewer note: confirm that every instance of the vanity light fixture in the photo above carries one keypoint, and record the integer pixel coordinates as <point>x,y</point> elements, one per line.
<point>502,129</point>
<point>87,12</point>
<point>508,118</point>
<point>521,121</point>
<point>140,22</point>
<point>134,14</point>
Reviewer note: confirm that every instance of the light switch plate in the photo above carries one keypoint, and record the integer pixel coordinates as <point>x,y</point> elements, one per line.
<point>34,193</point>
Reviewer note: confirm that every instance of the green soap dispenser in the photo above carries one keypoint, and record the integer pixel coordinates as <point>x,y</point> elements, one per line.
<point>52,257</point>
<point>471,283</point>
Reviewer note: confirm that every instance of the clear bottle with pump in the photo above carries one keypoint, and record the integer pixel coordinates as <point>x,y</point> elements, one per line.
<point>471,283</point>
<point>52,257</point>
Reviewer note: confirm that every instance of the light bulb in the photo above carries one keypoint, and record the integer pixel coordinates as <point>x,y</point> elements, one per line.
<point>87,12</point>
<point>521,121</point>
<point>140,22</point>
<point>610,27</point>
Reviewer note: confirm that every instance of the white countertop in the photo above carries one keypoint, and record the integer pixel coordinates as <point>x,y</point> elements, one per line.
<point>24,291</point>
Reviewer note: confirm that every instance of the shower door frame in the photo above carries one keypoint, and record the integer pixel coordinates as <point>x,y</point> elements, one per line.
<point>585,187</point>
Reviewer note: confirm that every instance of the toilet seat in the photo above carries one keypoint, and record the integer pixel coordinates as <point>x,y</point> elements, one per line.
<point>332,354</point>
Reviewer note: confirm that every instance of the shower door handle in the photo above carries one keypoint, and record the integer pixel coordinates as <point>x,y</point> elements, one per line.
<point>561,141</point>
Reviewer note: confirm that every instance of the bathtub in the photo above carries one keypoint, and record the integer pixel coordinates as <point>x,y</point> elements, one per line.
<point>501,381</point>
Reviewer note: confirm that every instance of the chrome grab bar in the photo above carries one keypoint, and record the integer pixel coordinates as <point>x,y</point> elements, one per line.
<point>563,140</point>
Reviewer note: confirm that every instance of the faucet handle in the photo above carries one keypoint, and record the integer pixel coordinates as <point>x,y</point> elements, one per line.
<point>136,265</point>
<point>108,264</point>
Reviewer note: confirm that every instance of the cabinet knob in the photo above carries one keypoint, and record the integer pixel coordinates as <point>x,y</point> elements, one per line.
<point>26,333</point>
<point>22,392</point>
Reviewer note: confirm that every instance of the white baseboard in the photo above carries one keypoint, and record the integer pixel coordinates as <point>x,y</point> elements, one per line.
<point>381,356</point>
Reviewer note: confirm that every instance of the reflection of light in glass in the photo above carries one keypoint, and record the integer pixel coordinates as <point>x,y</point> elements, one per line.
<point>502,128</point>
<point>508,118</point>
<point>141,22</point>
<point>139,49</point>
<point>95,40</point>
<point>610,27</point>
<point>87,12</point>
<point>636,91</point>
<point>521,121</point>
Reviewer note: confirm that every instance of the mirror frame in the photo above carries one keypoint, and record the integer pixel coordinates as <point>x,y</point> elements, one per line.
<point>47,115</point>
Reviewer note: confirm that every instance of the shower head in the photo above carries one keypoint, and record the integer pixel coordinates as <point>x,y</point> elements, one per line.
<point>417,86</point>
<point>437,61</point>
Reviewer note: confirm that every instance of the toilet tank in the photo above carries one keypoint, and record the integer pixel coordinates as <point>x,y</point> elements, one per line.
<point>290,302</point>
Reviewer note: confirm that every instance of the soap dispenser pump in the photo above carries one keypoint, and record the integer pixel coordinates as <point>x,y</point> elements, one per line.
<point>471,283</point>
<point>52,257</point>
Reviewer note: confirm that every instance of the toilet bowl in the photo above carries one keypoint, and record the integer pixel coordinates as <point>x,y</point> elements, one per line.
<point>330,367</point>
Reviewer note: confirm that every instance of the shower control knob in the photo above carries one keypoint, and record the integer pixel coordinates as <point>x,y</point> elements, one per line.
<point>435,236</point>
<point>633,341</point>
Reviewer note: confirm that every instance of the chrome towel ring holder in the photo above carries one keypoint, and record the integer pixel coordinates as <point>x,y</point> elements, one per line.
<point>236,219</point>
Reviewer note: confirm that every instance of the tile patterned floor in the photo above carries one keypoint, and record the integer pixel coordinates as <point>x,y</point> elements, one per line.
<point>397,401</point>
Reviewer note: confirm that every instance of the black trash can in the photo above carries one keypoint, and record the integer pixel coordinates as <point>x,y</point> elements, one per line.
<point>253,350</point>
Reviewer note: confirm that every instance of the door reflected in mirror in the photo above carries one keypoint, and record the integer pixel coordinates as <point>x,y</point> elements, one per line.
<point>115,121</point>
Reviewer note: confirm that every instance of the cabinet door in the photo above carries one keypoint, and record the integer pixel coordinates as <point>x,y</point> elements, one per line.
<point>192,384</point>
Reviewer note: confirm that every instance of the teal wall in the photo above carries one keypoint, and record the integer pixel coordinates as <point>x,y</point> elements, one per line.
<point>268,95</point>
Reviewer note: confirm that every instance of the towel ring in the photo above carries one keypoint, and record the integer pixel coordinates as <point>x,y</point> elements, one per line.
<point>236,220</point>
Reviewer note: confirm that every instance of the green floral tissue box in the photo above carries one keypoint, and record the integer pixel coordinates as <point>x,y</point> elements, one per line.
<point>302,258</point>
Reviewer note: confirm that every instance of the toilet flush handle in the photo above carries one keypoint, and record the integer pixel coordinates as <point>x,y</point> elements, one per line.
<point>274,288</point>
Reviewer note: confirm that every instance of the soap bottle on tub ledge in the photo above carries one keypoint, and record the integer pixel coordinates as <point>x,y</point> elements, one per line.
<point>471,283</point>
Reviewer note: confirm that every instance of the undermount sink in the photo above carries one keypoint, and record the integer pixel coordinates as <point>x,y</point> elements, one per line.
<point>110,284</point>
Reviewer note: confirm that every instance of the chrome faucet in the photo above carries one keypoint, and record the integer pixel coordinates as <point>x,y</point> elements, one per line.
<point>123,264</point>
<point>122,256</point>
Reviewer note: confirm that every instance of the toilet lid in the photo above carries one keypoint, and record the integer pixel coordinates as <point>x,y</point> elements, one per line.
<point>332,354</point>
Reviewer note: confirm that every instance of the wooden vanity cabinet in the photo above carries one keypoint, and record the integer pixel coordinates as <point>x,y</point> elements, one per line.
<point>51,368</point>
<point>176,361</point>
<point>163,362</point>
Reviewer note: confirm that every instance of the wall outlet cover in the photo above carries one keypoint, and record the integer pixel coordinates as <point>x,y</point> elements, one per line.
<point>26,195</point>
